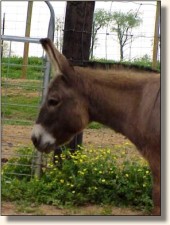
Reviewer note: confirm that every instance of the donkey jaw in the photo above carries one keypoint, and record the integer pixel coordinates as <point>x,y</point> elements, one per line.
<point>42,140</point>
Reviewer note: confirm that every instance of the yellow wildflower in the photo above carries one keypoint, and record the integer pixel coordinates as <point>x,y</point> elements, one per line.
<point>61,181</point>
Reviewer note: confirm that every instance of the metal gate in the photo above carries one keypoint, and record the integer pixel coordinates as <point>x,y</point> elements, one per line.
<point>20,101</point>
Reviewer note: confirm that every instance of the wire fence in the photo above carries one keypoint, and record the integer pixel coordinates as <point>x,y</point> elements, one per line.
<point>107,45</point>
<point>141,38</point>
<point>19,111</point>
<point>21,98</point>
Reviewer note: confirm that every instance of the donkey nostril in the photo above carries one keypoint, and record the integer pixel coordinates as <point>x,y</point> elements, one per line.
<point>35,141</point>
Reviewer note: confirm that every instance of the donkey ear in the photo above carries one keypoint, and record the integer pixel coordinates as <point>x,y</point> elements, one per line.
<point>59,62</point>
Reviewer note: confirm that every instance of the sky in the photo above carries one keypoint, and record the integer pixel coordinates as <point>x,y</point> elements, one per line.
<point>107,46</point>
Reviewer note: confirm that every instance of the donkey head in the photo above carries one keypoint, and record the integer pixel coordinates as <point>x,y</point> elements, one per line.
<point>64,112</point>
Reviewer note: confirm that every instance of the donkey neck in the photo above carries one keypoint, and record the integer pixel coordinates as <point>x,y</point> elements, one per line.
<point>112,98</point>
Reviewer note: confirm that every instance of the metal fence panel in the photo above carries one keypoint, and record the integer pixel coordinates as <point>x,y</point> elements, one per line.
<point>21,99</point>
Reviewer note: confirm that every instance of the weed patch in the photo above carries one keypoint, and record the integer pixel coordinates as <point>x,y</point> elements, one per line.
<point>86,177</point>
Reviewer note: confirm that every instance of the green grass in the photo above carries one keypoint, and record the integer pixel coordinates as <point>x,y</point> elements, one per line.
<point>95,125</point>
<point>12,67</point>
<point>21,110</point>
<point>20,100</point>
<point>143,63</point>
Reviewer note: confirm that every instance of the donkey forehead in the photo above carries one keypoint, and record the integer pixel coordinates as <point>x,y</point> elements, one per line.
<point>59,86</point>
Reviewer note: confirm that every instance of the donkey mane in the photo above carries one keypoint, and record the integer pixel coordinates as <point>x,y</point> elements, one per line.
<point>119,79</point>
<point>119,66</point>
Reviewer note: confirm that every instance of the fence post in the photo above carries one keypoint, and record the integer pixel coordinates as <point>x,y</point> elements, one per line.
<point>27,34</point>
<point>77,39</point>
<point>156,35</point>
<point>3,30</point>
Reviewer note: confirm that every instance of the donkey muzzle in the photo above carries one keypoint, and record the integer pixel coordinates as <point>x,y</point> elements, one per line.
<point>42,139</point>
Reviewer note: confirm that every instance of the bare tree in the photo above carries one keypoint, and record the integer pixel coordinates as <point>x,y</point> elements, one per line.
<point>123,24</point>
<point>100,20</point>
<point>59,26</point>
<point>5,49</point>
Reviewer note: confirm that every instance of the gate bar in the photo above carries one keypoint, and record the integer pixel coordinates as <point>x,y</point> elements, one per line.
<point>50,34</point>
<point>19,39</point>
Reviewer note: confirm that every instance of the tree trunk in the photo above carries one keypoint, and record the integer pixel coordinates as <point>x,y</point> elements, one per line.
<point>92,42</point>
<point>76,43</point>
<point>77,30</point>
<point>121,53</point>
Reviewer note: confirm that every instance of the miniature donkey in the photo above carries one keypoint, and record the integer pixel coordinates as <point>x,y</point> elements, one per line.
<point>124,100</point>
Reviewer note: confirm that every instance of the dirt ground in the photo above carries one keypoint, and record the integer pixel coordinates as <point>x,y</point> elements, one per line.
<point>15,136</point>
<point>8,209</point>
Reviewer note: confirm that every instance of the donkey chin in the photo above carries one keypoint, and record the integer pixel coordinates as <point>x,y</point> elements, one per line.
<point>43,140</point>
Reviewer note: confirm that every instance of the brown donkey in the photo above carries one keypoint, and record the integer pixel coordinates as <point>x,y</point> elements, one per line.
<point>124,100</point>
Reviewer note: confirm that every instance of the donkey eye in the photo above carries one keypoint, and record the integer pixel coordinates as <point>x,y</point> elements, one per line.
<point>53,102</point>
